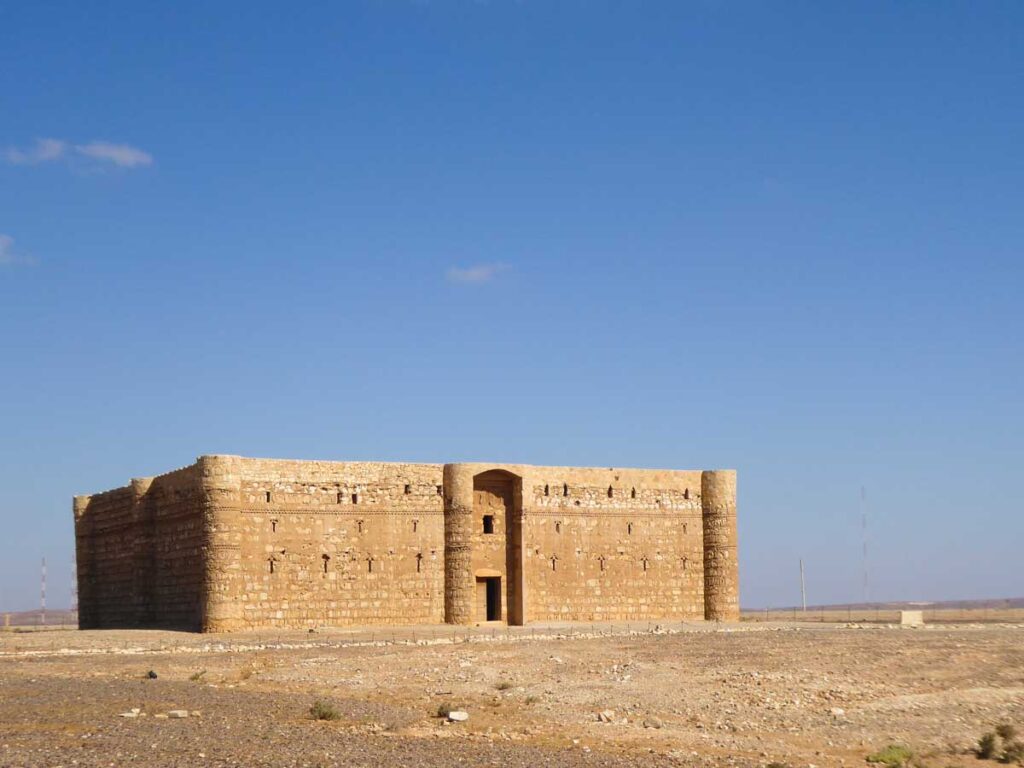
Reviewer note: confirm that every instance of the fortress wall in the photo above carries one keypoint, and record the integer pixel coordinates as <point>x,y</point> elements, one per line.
<point>105,550</point>
<point>173,556</point>
<point>650,514</point>
<point>139,551</point>
<point>380,525</point>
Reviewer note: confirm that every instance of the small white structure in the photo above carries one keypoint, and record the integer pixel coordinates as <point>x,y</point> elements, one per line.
<point>911,618</point>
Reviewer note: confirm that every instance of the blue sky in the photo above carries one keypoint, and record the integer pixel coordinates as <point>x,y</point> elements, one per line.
<point>781,237</point>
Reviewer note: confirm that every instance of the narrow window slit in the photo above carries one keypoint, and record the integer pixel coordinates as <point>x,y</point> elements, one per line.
<point>268,496</point>
<point>632,494</point>
<point>611,493</point>
<point>355,498</point>
<point>565,489</point>
<point>326,559</point>
<point>419,561</point>
<point>488,523</point>
<point>408,489</point>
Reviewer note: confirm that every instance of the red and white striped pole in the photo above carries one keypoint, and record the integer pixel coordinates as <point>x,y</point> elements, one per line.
<point>42,596</point>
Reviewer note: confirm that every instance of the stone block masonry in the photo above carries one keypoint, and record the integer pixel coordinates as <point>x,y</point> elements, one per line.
<point>232,543</point>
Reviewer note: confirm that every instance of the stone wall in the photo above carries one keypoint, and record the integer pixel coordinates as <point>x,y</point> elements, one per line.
<point>236,543</point>
<point>327,543</point>
<point>140,554</point>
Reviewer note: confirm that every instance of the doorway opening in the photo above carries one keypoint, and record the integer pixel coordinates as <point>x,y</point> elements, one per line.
<point>488,590</point>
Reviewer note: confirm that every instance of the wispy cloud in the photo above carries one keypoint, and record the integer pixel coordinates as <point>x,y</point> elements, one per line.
<point>121,155</point>
<point>99,153</point>
<point>9,256</point>
<point>41,151</point>
<point>476,273</point>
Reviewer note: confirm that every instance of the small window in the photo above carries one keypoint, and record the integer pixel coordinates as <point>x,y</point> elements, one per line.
<point>326,559</point>
<point>355,498</point>
<point>408,489</point>
<point>341,497</point>
<point>629,529</point>
<point>611,492</point>
<point>601,561</point>
<point>644,561</point>
<point>547,490</point>
<point>684,529</point>
<point>419,561</point>
<point>565,489</point>
<point>554,563</point>
<point>369,565</point>
<point>415,525</point>
<point>686,562</point>
<point>268,497</point>
<point>558,526</point>
<point>359,525</point>
<point>440,490</point>
<point>686,493</point>
<point>488,523</point>
<point>271,563</point>
<point>273,526</point>
<point>632,494</point>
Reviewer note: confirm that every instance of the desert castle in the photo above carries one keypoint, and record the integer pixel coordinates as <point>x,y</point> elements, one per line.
<point>233,543</point>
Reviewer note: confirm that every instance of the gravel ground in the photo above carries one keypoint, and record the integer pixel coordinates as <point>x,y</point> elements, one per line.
<point>741,695</point>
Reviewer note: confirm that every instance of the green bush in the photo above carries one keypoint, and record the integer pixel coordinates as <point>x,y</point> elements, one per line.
<point>322,710</point>
<point>894,756</point>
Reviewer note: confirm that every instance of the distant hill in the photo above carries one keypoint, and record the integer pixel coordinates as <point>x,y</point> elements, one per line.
<point>54,618</point>
<point>932,605</point>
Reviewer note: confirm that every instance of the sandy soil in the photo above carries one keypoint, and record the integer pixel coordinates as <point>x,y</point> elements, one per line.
<point>699,695</point>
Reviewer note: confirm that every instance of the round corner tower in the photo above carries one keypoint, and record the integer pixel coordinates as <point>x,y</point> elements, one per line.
<point>721,564</point>
<point>219,496</point>
<point>458,531</point>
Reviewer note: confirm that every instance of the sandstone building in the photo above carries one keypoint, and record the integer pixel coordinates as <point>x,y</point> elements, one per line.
<point>232,543</point>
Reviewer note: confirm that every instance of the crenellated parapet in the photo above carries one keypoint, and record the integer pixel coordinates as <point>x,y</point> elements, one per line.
<point>721,566</point>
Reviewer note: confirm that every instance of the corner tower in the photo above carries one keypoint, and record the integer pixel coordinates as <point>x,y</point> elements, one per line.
<point>721,566</point>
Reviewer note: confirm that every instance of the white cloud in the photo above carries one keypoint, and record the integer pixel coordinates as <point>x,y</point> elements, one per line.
<point>42,151</point>
<point>478,273</point>
<point>9,256</point>
<point>101,152</point>
<point>121,155</point>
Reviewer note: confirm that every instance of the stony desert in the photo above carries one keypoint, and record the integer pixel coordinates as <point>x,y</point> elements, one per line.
<point>744,694</point>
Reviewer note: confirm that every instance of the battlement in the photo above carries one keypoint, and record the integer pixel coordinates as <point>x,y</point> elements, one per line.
<point>232,542</point>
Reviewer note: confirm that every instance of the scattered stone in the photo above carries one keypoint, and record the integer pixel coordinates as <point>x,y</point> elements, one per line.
<point>652,722</point>
<point>606,716</point>
<point>151,675</point>
<point>178,713</point>
<point>837,712</point>
<point>133,713</point>
<point>458,716</point>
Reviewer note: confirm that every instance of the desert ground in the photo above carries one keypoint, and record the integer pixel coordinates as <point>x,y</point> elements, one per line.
<point>747,694</point>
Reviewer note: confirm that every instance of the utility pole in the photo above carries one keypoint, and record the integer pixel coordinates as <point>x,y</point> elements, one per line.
<point>803,587</point>
<point>42,595</point>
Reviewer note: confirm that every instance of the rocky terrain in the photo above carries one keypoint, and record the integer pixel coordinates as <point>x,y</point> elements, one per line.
<point>685,695</point>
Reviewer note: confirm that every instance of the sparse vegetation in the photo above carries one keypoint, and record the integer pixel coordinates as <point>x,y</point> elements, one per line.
<point>988,745</point>
<point>197,676</point>
<point>445,709</point>
<point>894,756</point>
<point>323,710</point>
<point>1006,732</point>
<point>1001,744</point>
<point>532,699</point>
<point>504,685</point>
